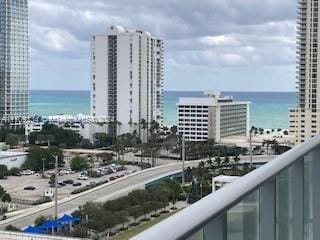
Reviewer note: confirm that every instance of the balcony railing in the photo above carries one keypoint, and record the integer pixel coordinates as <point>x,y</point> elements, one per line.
<point>278,201</point>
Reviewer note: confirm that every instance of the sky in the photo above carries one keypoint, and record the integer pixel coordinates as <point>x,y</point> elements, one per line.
<point>226,45</point>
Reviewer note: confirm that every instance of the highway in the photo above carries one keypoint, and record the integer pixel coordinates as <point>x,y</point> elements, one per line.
<point>108,191</point>
<point>104,192</point>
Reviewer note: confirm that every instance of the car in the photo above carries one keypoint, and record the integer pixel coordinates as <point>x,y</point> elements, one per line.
<point>37,174</point>
<point>93,184</point>
<point>52,185</point>
<point>68,181</point>
<point>112,178</point>
<point>76,184</point>
<point>64,172</point>
<point>30,188</point>
<point>62,184</point>
<point>27,172</point>
<point>82,177</point>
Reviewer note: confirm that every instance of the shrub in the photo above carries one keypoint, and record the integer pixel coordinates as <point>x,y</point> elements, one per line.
<point>80,190</point>
<point>134,224</point>
<point>12,228</point>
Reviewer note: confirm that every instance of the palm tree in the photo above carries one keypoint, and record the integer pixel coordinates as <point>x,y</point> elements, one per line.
<point>274,145</point>
<point>143,125</point>
<point>267,143</point>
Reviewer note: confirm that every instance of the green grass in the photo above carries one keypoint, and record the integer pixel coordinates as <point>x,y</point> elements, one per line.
<point>140,228</point>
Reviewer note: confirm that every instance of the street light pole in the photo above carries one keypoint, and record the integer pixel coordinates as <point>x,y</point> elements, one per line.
<point>56,189</point>
<point>250,148</point>
<point>43,159</point>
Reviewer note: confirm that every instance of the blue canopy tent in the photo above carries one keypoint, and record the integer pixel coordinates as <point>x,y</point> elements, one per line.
<point>32,229</point>
<point>68,218</point>
<point>50,224</point>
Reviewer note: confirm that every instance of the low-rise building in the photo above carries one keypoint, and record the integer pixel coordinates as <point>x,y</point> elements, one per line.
<point>85,126</point>
<point>13,159</point>
<point>212,117</point>
<point>222,180</point>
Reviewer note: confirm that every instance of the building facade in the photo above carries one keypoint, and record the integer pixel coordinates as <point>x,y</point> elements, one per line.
<point>127,78</point>
<point>85,126</point>
<point>14,61</point>
<point>212,117</point>
<point>304,119</point>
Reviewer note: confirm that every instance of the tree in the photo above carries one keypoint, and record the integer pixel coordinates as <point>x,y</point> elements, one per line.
<point>40,220</point>
<point>12,228</point>
<point>79,164</point>
<point>102,140</point>
<point>85,143</point>
<point>37,154</point>
<point>14,171</point>
<point>12,139</point>
<point>3,171</point>
<point>6,197</point>
<point>56,136</point>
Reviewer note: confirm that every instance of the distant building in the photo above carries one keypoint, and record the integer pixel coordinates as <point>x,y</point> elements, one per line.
<point>85,126</point>
<point>127,78</point>
<point>14,61</point>
<point>212,117</point>
<point>304,119</point>
<point>13,159</point>
<point>222,180</point>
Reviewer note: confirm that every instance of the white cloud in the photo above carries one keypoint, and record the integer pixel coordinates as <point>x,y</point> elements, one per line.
<point>218,40</point>
<point>209,34</point>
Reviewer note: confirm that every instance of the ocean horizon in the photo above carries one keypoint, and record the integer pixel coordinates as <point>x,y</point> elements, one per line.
<point>267,109</point>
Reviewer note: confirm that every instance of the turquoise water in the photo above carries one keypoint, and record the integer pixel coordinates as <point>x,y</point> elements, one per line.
<point>268,109</point>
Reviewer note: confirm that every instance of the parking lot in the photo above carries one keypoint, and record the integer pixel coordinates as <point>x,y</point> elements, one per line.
<point>15,185</point>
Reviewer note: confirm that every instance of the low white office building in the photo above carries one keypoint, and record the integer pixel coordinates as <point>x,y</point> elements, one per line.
<point>85,126</point>
<point>212,117</point>
<point>13,159</point>
<point>222,180</point>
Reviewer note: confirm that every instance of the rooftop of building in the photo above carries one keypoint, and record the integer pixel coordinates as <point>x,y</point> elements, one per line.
<point>116,29</point>
<point>4,154</point>
<point>211,98</point>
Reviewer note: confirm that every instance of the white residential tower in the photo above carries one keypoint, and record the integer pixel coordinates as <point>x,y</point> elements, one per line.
<point>126,78</point>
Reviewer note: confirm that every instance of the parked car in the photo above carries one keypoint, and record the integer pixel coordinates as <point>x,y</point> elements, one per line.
<point>62,184</point>
<point>68,181</point>
<point>82,177</point>
<point>76,184</point>
<point>27,172</point>
<point>64,172</point>
<point>112,178</point>
<point>30,188</point>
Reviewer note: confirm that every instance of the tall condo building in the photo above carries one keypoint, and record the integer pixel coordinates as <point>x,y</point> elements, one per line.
<point>304,120</point>
<point>127,78</point>
<point>14,61</point>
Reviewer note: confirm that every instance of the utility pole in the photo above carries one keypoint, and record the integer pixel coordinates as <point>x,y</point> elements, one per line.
<point>183,159</point>
<point>56,189</point>
<point>250,148</point>
<point>43,159</point>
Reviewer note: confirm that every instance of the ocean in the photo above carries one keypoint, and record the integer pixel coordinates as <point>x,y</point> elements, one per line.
<point>267,109</point>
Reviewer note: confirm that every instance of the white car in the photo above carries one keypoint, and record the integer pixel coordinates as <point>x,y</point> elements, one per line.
<point>27,172</point>
<point>82,177</point>
<point>64,172</point>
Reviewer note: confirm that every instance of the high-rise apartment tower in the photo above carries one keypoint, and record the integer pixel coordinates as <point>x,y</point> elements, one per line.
<point>304,120</point>
<point>14,61</point>
<point>127,78</point>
